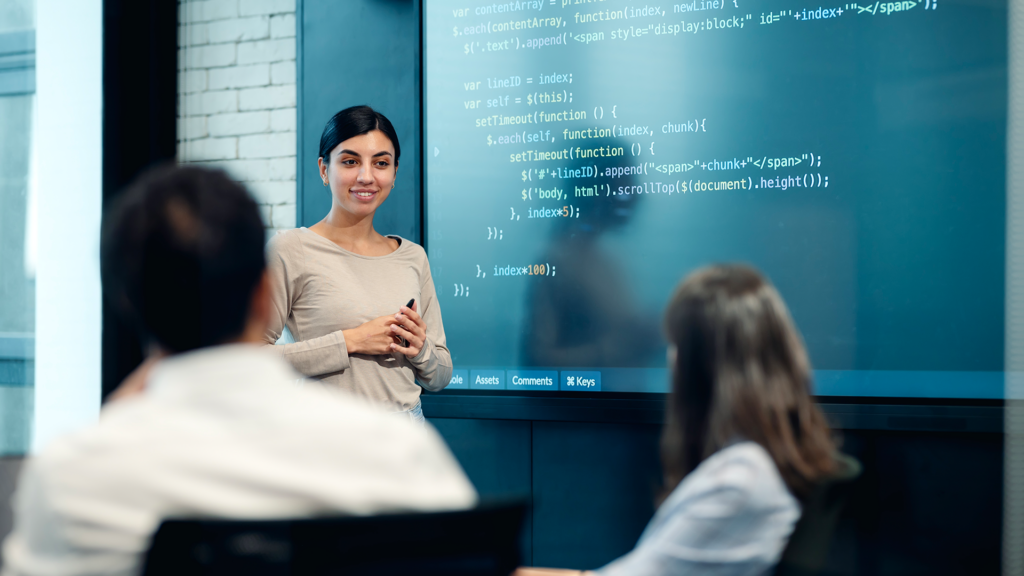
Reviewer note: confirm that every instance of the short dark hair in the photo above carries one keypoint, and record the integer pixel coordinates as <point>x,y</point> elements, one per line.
<point>182,253</point>
<point>740,372</point>
<point>352,122</point>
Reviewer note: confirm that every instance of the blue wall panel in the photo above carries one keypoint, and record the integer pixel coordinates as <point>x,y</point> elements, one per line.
<point>360,52</point>
<point>496,456</point>
<point>594,487</point>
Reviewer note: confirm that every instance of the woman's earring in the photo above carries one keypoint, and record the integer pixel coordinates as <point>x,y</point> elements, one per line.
<point>325,182</point>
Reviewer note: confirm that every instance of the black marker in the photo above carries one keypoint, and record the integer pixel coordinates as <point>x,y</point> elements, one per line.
<point>409,306</point>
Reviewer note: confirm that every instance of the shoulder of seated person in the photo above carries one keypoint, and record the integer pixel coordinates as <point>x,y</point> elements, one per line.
<point>341,409</point>
<point>299,407</point>
<point>744,466</point>
<point>743,452</point>
<point>742,474</point>
<point>385,435</point>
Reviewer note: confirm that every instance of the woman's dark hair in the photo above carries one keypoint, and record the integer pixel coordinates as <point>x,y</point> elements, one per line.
<point>352,122</point>
<point>740,372</point>
<point>182,252</point>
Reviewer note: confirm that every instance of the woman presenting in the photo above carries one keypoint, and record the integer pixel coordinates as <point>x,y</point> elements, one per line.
<point>342,288</point>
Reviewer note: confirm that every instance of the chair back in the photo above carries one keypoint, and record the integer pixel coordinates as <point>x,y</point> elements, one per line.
<point>479,542</point>
<point>808,547</point>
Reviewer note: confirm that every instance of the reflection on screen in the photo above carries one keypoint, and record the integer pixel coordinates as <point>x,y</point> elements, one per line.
<point>584,156</point>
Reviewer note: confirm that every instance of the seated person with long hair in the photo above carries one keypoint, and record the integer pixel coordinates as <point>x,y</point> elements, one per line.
<point>744,441</point>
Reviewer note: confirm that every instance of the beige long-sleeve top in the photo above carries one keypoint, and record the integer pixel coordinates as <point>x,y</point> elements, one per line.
<point>321,289</point>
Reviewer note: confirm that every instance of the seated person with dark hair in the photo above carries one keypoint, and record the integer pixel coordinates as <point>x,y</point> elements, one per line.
<point>221,427</point>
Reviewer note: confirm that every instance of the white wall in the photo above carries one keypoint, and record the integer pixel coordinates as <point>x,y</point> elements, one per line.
<point>68,200</point>
<point>236,96</point>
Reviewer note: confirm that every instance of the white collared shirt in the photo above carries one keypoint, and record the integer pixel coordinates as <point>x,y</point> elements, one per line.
<point>731,516</point>
<point>225,432</point>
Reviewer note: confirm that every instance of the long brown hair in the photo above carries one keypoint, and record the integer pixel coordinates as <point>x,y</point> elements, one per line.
<point>740,371</point>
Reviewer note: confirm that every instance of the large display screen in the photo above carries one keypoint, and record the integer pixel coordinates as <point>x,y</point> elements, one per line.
<point>583,156</point>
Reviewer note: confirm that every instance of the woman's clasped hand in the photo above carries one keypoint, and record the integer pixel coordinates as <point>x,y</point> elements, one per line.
<point>411,327</point>
<point>404,332</point>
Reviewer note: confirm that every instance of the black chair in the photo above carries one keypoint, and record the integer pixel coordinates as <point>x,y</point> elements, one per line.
<point>479,542</point>
<point>806,553</point>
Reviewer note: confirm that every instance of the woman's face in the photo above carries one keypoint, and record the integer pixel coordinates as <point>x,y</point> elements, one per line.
<point>361,172</point>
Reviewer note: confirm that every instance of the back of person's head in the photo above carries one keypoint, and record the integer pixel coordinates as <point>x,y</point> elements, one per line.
<point>182,254</point>
<point>740,372</point>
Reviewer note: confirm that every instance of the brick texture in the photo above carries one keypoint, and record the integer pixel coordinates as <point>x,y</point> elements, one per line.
<point>236,97</point>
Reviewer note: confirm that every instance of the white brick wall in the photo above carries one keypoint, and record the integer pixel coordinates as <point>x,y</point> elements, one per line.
<point>236,96</point>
